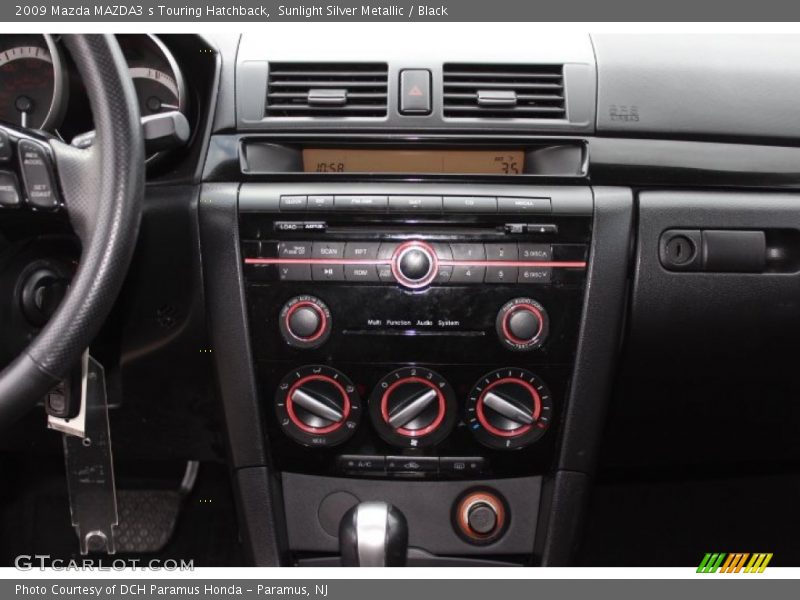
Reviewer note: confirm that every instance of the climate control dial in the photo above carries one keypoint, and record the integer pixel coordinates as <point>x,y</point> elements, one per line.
<point>522,324</point>
<point>317,406</point>
<point>509,409</point>
<point>413,407</point>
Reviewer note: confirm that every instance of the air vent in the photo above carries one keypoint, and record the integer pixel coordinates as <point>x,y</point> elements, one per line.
<point>504,91</point>
<point>327,90</point>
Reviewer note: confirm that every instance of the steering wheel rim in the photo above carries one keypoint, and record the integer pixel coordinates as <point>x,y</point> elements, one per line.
<point>101,189</point>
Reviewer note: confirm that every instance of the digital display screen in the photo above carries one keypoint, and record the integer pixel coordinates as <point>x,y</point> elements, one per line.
<point>358,160</point>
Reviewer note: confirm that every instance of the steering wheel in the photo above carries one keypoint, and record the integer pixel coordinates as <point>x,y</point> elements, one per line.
<point>101,189</point>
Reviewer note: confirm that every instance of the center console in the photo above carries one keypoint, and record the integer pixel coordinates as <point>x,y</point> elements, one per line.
<point>414,333</point>
<point>415,298</point>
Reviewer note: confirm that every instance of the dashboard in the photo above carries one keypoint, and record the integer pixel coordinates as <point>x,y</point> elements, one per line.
<point>456,280</point>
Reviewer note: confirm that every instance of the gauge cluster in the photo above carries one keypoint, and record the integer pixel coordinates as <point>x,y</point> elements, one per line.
<point>41,89</point>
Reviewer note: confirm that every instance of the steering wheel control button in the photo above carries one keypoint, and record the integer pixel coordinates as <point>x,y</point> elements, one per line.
<point>415,264</point>
<point>508,409</point>
<point>317,406</point>
<point>9,190</point>
<point>37,175</point>
<point>305,322</point>
<point>480,517</point>
<point>522,324</point>
<point>413,407</point>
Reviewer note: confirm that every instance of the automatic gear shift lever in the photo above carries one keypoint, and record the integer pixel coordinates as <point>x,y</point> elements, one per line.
<point>373,534</point>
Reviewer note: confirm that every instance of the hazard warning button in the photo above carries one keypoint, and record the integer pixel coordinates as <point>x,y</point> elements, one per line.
<point>415,92</point>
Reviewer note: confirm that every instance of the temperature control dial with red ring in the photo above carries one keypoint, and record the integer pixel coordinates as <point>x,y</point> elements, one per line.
<point>413,407</point>
<point>509,408</point>
<point>522,324</point>
<point>317,406</point>
<point>305,322</point>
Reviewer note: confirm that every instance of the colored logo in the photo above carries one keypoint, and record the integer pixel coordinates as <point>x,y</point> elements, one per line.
<point>737,562</point>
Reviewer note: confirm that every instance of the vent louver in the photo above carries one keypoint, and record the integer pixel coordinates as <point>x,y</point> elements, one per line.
<point>327,90</point>
<point>504,91</point>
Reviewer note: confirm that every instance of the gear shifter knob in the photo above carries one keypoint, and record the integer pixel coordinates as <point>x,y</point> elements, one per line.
<point>373,534</point>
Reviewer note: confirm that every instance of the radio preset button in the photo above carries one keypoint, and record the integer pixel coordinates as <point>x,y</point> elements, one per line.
<point>501,275</point>
<point>543,252</point>
<point>502,252</point>
<point>468,251</point>
<point>468,274</point>
<point>535,275</point>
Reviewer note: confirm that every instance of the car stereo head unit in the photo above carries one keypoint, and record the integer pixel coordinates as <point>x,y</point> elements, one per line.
<point>413,330</point>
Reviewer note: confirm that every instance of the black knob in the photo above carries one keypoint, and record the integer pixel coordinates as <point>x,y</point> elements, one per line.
<point>317,406</point>
<point>414,264</point>
<point>522,324</point>
<point>482,518</point>
<point>305,322</point>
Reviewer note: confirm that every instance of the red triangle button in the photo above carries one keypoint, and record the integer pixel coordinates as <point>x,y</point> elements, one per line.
<point>415,91</point>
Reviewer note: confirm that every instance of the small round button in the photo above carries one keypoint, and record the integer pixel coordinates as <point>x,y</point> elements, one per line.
<point>305,322</point>
<point>414,264</point>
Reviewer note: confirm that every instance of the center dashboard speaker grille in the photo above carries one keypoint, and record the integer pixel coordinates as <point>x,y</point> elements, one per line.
<point>504,91</point>
<point>327,90</point>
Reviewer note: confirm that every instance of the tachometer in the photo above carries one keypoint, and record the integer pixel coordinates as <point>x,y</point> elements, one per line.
<point>32,81</point>
<point>155,73</point>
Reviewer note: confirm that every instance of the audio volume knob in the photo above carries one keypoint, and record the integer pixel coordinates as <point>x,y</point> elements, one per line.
<point>480,516</point>
<point>522,324</point>
<point>317,406</point>
<point>509,409</point>
<point>413,407</point>
<point>305,322</point>
<point>414,264</point>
